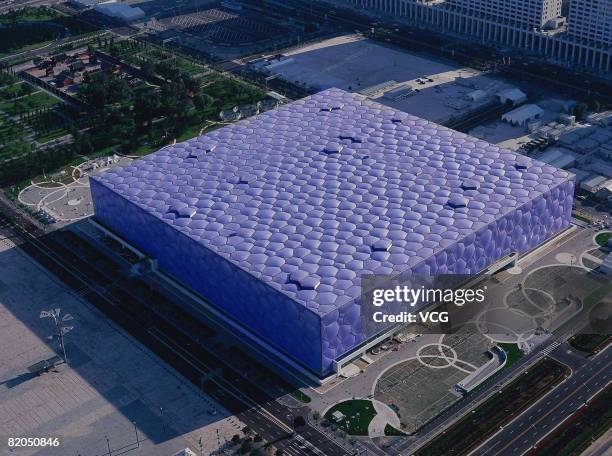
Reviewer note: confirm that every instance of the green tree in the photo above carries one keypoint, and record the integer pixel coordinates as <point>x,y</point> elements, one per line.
<point>579,110</point>
<point>83,144</point>
<point>146,106</point>
<point>148,69</point>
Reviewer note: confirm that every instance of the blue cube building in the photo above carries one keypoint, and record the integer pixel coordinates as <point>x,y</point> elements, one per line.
<point>274,219</point>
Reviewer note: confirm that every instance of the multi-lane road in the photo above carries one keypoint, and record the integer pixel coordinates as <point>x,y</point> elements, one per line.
<point>523,433</point>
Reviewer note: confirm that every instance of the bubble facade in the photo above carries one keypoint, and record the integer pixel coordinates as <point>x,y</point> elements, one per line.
<point>275,218</point>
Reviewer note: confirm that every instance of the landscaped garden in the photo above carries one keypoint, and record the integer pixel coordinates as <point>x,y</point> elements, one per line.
<point>357,415</point>
<point>36,101</point>
<point>171,98</point>
<point>603,238</point>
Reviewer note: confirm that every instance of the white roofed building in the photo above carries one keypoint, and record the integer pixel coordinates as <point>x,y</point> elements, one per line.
<point>515,96</point>
<point>477,95</point>
<point>523,115</point>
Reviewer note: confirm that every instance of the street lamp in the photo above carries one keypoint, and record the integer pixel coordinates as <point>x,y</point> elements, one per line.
<point>58,322</point>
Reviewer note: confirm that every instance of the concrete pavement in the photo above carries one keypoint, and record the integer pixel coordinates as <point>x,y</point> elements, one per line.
<point>112,381</point>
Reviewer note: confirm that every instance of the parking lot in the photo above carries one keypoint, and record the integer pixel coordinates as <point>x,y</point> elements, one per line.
<point>418,84</point>
<point>224,27</point>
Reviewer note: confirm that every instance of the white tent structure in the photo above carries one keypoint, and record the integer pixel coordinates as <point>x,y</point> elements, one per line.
<point>477,95</point>
<point>515,96</point>
<point>523,115</point>
<point>121,11</point>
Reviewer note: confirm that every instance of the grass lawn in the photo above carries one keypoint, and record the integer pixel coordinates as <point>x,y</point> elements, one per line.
<point>358,414</point>
<point>144,149</point>
<point>10,131</point>
<point>43,138</point>
<point>300,396</point>
<point>228,93</point>
<point>190,132</point>
<point>10,91</point>
<point>7,79</point>
<point>513,354</point>
<point>27,47</point>
<point>581,218</point>
<point>188,67</point>
<point>603,238</point>
<point>14,149</point>
<point>392,432</point>
<point>28,104</point>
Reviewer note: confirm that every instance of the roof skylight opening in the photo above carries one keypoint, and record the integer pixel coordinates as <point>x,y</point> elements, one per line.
<point>381,245</point>
<point>304,280</point>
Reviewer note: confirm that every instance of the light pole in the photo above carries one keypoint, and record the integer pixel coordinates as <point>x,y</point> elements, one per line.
<point>61,330</point>
<point>136,432</point>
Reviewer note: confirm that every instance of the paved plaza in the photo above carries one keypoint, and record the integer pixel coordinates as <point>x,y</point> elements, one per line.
<point>67,197</point>
<point>112,382</point>
<point>433,89</point>
<point>419,389</point>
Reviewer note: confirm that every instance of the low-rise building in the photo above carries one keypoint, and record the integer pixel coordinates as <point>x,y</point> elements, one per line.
<point>523,115</point>
<point>593,184</point>
<point>513,96</point>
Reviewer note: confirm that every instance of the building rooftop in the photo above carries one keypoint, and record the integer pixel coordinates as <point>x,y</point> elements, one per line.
<point>310,196</point>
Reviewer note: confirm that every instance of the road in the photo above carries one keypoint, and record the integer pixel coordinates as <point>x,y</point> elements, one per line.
<point>540,419</point>
<point>262,413</point>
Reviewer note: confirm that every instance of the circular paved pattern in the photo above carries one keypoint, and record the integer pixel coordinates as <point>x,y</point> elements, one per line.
<point>449,361</point>
<point>67,202</point>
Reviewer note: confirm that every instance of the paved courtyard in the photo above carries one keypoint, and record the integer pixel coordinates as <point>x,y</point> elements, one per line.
<point>419,389</point>
<point>112,385</point>
<point>67,198</point>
